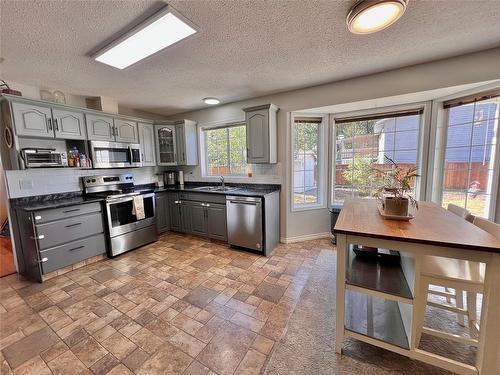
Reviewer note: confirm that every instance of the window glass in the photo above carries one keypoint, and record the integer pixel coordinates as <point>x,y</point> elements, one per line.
<point>306,162</point>
<point>364,145</point>
<point>225,151</point>
<point>469,163</point>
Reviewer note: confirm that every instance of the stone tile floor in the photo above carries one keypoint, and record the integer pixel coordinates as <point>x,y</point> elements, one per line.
<point>187,306</point>
<point>179,306</point>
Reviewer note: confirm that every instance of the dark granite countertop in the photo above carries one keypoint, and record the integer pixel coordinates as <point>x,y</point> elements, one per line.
<point>42,202</point>
<point>249,190</point>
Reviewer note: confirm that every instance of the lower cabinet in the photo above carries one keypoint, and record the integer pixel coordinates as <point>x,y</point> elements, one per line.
<point>202,218</point>
<point>162,212</point>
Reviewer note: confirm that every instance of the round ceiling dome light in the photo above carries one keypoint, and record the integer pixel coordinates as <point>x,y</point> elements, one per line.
<point>370,16</point>
<point>211,101</point>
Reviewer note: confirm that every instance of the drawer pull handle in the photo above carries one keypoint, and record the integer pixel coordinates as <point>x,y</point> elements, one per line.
<point>38,217</point>
<point>40,237</point>
<point>77,248</point>
<point>73,225</point>
<point>44,260</point>
<point>73,210</point>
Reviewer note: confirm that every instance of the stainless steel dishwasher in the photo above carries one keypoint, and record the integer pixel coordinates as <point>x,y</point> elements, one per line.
<point>244,222</point>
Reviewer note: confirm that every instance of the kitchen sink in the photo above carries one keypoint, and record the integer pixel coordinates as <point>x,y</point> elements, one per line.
<point>215,188</point>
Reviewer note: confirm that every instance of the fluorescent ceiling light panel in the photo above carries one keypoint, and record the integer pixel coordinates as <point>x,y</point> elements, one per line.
<point>165,29</point>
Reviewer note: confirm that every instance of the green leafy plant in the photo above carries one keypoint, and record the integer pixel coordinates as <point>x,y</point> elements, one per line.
<point>397,181</point>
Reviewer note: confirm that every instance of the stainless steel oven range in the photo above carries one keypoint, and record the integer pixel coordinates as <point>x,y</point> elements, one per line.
<point>130,213</point>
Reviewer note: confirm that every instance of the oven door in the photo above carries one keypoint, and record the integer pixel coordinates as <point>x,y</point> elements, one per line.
<point>121,219</point>
<point>115,155</point>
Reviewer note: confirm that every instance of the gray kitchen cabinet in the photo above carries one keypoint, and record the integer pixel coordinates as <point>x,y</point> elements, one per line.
<point>55,238</point>
<point>174,211</point>
<point>125,131</point>
<point>186,142</point>
<point>100,128</point>
<point>68,124</point>
<point>197,217</point>
<point>165,144</point>
<point>162,212</point>
<point>261,131</point>
<point>216,221</point>
<point>147,143</point>
<point>32,120</point>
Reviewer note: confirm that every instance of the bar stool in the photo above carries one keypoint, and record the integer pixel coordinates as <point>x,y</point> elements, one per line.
<point>459,275</point>
<point>449,293</point>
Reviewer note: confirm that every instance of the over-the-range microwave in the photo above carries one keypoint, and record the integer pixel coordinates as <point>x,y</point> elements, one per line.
<point>115,155</point>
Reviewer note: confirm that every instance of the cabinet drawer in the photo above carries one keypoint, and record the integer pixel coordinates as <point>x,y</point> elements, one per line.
<point>211,198</point>
<point>62,231</point>
<point>65,212</point>
<point>71,253</point>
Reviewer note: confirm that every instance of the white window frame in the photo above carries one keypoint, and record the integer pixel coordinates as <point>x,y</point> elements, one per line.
<point>322,163</point>
<point>203,148</point>
<point>440,120</point>
<point>422,146</point>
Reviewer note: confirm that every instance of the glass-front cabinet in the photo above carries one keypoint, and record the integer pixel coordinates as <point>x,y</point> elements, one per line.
<point>165,145</point>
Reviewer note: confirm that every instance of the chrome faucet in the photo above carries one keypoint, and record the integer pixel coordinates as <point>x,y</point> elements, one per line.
<point>222,182</point>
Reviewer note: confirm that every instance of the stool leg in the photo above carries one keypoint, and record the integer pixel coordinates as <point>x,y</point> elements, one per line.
<point>460,304</point>
<point>472,313</point>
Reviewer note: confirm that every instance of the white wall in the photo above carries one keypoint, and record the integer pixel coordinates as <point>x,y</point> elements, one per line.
<point>466,69</point>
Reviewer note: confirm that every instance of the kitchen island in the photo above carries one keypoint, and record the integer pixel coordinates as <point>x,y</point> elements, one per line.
<point>395,294</point>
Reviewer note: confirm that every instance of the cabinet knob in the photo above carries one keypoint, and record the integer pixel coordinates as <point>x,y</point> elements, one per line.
<point>40,237</point>
<point>38,217</point>
<point>43,260</point>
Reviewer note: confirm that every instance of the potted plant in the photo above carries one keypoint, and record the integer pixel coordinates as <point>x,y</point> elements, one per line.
<point>397,186</point>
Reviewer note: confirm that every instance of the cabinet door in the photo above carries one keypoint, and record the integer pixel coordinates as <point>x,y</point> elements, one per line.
<point>180,144</point>
<point>100,128</point>
<point>257,136</point>
<point>147,142</point>
<point>174,211</point>
<point>165,145</point>
<point>197,216</point>
<point>126,131</point>
<point>216,221</point>
<point>162,214</point>
<point>68,124</point>
<point>32,120</point>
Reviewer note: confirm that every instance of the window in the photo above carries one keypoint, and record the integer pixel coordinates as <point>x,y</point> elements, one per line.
<point>308,162</point>
<point>469,173</point>
<point>364,143</point>
<point>225,151</point>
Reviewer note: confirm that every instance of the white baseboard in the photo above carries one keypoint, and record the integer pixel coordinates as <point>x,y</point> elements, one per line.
<point>305,237</point>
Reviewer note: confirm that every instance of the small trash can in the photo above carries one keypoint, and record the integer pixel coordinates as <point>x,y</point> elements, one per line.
<point>334,215</point>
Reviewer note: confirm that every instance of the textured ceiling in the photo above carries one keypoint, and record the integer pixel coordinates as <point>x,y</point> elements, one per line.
<point>244,48</point>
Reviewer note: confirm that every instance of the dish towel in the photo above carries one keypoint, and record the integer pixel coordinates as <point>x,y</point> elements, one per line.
<point>138,207</point>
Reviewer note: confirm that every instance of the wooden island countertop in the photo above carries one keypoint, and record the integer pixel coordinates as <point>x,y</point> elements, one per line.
<point>432,225</point>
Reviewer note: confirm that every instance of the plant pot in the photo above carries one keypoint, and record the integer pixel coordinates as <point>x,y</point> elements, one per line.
<point>396,206</point>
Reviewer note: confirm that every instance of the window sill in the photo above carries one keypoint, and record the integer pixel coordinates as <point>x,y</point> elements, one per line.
<point>311,207</point>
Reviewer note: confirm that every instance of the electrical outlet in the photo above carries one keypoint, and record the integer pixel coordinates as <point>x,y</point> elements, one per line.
<point>26,184</point>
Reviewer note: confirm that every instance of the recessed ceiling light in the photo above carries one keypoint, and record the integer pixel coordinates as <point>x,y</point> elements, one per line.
<point>211,101</point>
<point>369,16</point>
<point>163,29</point>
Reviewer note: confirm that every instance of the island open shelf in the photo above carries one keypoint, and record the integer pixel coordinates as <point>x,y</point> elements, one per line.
<point>375,317</point>
<point>387,278</point>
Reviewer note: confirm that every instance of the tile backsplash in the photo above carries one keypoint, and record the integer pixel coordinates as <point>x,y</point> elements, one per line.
<point>29,182</point>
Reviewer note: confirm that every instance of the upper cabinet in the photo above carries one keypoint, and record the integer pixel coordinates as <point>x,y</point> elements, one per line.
<point>105,128</point>
<point>68,124</point>
<point>261,130</point>
<point>41,121</point>
<point>100,128</point>
<point>165,144</point>
<point>147,142</point>
<point>32,120</point>
<point>176,143</point>
<point>126,131</point>
<point>187,142</point>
